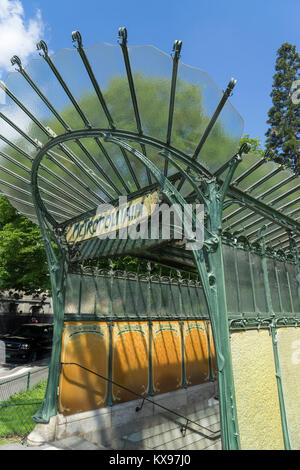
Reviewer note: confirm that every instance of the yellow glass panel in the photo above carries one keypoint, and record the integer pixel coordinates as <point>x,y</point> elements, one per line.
<point>166,356</point>
<point>288,341</point>
<point>196,352</point>
<point>86,344</point>
<point>130,360</point>
<point>256,391</point>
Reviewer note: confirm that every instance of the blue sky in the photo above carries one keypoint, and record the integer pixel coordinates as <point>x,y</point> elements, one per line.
<point>226,38</point>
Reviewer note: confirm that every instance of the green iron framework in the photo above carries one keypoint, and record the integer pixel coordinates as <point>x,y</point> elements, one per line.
<point>85,126</point>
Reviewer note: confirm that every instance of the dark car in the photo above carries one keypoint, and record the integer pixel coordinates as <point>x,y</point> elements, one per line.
<point>28,342</point>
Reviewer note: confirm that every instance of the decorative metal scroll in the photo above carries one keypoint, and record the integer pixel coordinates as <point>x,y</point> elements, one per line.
<point>122,295</point>
<point>84,127</point>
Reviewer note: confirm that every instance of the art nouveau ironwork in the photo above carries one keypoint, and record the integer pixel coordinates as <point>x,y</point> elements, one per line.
<point>85,126</point>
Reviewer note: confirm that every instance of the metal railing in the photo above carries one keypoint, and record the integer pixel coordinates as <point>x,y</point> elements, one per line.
<point>16,419</point>
<point>183,427</point>
<point>17,406</point>
<point>21,383</point>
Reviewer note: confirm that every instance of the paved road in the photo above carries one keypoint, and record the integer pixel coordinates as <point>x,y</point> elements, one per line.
<point>12,370</point>
<point>15,378</point>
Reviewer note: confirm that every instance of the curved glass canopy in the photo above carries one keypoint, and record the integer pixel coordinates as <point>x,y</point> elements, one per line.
<point>62,108</point>
<point>137,90</point>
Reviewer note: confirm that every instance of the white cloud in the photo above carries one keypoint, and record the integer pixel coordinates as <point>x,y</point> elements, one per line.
<point>18,35</point>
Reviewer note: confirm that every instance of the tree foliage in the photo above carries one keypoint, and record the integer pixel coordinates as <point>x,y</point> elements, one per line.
<point>284,116</point>
<point>22,255</point>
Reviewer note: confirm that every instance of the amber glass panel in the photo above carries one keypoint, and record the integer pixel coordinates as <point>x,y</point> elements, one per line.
<point>85,344</point>
<point>130,360</point>
<point>166,356</point>
<point>196,352</point>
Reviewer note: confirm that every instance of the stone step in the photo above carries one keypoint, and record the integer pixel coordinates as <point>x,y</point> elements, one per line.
<point>158,437</point>
<point>173,439</point>
<point>76,443</point>
<point>163,422</point>
<point>187,440</point>
<point>195,414</point>
<point>163,430</point>
<point>217,445</point>
<point>167,434</point>
<point>169,421</point>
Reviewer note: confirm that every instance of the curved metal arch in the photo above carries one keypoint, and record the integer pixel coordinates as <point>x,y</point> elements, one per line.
<point>173,196</point>
<point>168,188</point>
<point>211,277</point>
<point>106,135</point>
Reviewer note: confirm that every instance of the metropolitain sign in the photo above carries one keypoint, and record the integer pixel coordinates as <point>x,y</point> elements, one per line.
<point>111,219</point>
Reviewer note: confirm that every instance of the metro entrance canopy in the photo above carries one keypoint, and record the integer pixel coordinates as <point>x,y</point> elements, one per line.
<point>87,126</point>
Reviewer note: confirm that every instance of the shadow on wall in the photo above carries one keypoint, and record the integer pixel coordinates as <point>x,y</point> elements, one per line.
<point>170,356</point>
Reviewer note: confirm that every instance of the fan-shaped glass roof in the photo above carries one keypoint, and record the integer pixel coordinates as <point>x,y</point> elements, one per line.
<point>62,107</point>
<point>73,91</point>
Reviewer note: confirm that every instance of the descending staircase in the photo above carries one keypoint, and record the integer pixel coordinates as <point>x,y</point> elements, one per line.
<point>166,431</point>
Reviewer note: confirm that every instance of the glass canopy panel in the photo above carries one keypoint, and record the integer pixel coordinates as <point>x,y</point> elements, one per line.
<point>230,210</point>
<point>87,158</point>
<point>108,166</point>
<point>248,161</point>
<point>253,182</point>
<point>157,158</point>
<point>196,100</point>
<point>80,182</point>
<point>72,70</point>
<point>81,174</point>
<point>36,108</point>
<point>127,168</point>
<point>250,221</point>
<point>13,137</point>
<point>46,81</point>
<point>109,70</point>
<point>238,221</point>
<point>259,183</point>
<point>269,183</point>
<point>152,73</point>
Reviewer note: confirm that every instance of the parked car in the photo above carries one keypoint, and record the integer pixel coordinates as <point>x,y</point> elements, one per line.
<point>28,342</point>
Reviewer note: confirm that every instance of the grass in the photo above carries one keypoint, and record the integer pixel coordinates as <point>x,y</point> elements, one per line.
<point>16,413</point>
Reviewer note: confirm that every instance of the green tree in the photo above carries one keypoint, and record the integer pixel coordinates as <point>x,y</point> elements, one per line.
<point>284,116</point>
<point>22,255</point>
<point>255,143</point>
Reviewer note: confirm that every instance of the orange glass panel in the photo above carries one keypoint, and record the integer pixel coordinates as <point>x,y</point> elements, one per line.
<point>196,352</point>
<point>130,360</point>
<point>86,344</point>
<point>166,356</point>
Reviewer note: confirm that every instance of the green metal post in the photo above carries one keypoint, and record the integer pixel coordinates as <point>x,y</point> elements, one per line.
<point>219,322</point>
<point>57,276</point>
<point>284,424</point>
<point>273,332</point>
<point>28,381</point>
